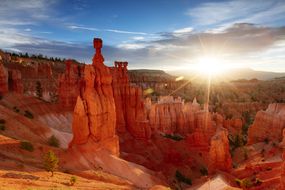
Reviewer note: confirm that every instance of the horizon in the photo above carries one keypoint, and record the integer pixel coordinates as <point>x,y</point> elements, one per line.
<point>148,36</point>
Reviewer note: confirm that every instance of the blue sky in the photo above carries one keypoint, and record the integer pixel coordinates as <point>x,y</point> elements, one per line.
<point>160,34</point>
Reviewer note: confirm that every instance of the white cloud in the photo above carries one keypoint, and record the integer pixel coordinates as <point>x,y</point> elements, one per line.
<point>254,11</point>
<point>138,38</point>
<point>74,27</point>
<point>183,30</point>
<point>131,46</point>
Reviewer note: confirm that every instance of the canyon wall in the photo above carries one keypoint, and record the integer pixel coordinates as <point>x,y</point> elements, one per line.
<point>69,84</point>
<point>3,79</point>
<point>268,125</point>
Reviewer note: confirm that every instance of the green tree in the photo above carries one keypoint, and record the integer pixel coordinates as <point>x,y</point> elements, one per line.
<point>53,141</point>
<point>39,89</point>
<point>50,162</point>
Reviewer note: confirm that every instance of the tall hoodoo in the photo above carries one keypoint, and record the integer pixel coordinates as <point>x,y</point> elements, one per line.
<point>94,119</point>
<point>131,113</point>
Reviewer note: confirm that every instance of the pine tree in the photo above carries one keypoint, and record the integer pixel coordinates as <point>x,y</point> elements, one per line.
<point>50,162</point>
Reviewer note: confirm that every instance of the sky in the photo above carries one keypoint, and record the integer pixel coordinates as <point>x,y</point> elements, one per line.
<point>149,34</point>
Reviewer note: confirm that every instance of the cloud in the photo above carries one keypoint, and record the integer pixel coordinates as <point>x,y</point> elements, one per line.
<point>254,11</point>
<point>74,27</point>
<point>183,30</point>
<point>239,43</point>
<point>29,12</point>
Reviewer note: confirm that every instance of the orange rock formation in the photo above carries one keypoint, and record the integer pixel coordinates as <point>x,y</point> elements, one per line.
<point>3,79</point>
<point>94,118</point>
<point>219,155</point>
<point>69,84</point>
<point>268,125</point>
<point>130,109</point>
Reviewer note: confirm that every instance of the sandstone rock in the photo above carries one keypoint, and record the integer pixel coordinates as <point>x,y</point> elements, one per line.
<point>69,85</point>
<point>94,119</point>
<point>172,115</point>
<point>130,110</point>
<point>268,124</point>
<point>219,155</point>
<point>283,173</point>
<point>234,126</point>
<point>15,81</point>
<point>3,80</point>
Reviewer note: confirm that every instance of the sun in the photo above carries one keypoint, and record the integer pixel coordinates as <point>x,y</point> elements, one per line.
<point>210,65</point>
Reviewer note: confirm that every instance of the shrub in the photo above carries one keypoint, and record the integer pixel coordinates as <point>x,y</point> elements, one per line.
<point>28,114</point>
<point>2,127</point>
<point>50,162</point>
<point>39,89</point>
<point>26,145</point>
<point>204,171</point>
<point>244,183</point>
<point>266,141</point>
<point>72,180</point>
<point>2,121</point>
<point>181,178</point>
<point>173,137</point>
<point>16,109</point>
<point>2,124</point>
<point>53,141</point>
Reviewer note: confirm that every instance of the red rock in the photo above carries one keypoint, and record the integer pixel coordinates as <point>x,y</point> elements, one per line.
<point>3,80</point>
<point>15,81</point>
<point>94,119</point>
<point>170,115</point>
<point>219,155</point>
<point>268,124</point>
<point>234,126</point>
<point>130,110</point>
<point>283,173</point>
<point>69,85</point>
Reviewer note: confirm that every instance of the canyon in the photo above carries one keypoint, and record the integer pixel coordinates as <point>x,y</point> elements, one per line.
<point>115,133</point>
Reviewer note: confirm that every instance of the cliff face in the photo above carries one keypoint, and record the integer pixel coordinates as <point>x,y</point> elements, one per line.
<point>94,119</point>
<point>268,125</point>
<point>3,80</point>
<point>170,115</point>
<point>70,83</point>
<point>10,80</point>
<point>15,81</point>
<point>130,109</point>
<point>219,155</point>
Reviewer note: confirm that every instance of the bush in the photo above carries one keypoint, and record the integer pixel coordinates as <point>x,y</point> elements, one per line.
<point>204,171</point>
<point>244,183</point>
<point>266,141</point>
<point>2,124</point>
<point>53,141</point>
<point>72,180</point>
<point>2,121</point>
<point>181,178</point>
<point>28,114</point>
<point>27,146</point>
<point>17,110</point>
<point>173,137</point>
<point>39,89</point>
<point>2,127</point>
<point>50,162</point>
